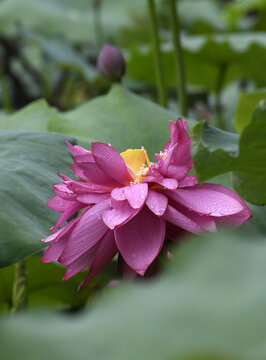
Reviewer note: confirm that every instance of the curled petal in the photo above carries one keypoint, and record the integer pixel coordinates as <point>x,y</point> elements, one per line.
<point>140,240</point>
<point>64,192</point>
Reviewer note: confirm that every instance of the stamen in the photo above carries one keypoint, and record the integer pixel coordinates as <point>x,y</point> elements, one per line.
<point>163,154</point>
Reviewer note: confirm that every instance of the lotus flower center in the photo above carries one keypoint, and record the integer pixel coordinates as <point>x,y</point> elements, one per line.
<point>137,162</point>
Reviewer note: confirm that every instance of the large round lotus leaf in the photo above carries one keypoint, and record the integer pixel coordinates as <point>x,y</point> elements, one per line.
<point>29,163</point>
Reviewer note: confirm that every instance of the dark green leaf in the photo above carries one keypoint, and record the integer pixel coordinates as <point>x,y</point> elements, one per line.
<point>29,164</point>
<point>215,152</point>
<point>250,170</point>
<point>246,106</point>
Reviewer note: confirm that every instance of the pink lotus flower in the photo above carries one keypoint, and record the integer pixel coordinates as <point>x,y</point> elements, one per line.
<point>128,205</point>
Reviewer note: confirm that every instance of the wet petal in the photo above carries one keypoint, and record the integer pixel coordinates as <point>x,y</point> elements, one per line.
<point>237,219</point>
<point>175,217</point>
<point>177,172</point>
<point>123,267</point>
<point>74,206</point>
<point>58,234</point>
<point>118,194</point>
<point>205,222</point>
<point>63,191</point>
<point>167,183</point>
<point>208,200</point>
<point>105,253</point>
<point>93,173</point>
<point>81,263</point>
<point>121,213</point>
<point>80,187</point>
<point>136,194</point>
<point>92,198</point>
<point>53,252</point>
<point>86,234</point>
<point>189,180</point>
<point>140,240</point>
<point>58,204</point>
<point>84,158</point>
<point>157,202</point>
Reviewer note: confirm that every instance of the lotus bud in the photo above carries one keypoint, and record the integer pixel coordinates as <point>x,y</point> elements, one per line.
<point>111,63</point>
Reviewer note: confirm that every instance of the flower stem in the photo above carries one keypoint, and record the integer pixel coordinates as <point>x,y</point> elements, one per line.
<point>218,106</point>
<point>7,104</point>
<point>156,54</point>
<point>19,295</point>
<point>97,21</point>
<point>179,61</point>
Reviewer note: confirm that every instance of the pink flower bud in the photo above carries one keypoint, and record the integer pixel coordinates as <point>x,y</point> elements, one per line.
<point>111,63</point>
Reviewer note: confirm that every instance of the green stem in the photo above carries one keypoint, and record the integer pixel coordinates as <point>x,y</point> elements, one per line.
<point>19,295</point>
<point>97,21</point>
<point>7,103</point>
<point>218,106</point>
<point>157,55</point>
<point>179,61</point>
